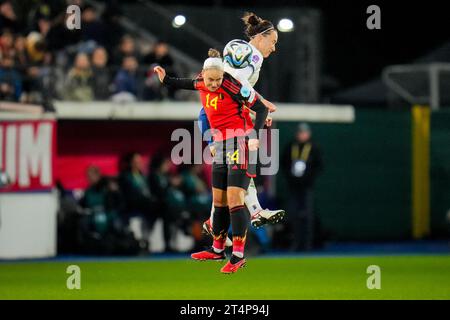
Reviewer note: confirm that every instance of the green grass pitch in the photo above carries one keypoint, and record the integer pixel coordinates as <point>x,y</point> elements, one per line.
<point>284,278</point>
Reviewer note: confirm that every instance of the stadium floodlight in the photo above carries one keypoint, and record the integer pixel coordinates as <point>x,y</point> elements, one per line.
<point>178,21</point>
<point>285,25</point>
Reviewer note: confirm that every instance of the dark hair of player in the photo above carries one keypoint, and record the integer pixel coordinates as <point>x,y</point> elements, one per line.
<point>255,25</point>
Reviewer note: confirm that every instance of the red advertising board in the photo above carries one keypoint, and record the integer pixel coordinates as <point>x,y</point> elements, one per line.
<point>27,154</point>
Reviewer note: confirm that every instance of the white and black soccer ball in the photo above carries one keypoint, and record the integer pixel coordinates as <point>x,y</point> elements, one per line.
<point>238,54</point>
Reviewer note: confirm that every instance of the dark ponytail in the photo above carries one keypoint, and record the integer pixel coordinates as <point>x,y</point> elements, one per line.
<point>255,25</point>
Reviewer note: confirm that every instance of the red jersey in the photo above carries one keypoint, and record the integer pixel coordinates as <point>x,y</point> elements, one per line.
<point>227,117</point>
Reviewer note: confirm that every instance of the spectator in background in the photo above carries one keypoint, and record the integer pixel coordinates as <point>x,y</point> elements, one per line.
<point>127,47</point>
<point>93,29</point>
<point>169,199</point>
<point>302,163</point>
<point>110,18</point>
<point>45,9</point>
<point>79,82</point>
<point>7,44</point>
<point>44,25</point>
<point>8,18</point>
<point>101,74</point>
<point>10,80</point>
<point>126,79</point>
<point>198,198</point>
<point>159,56</point>
<point>103,199</point>
<point>196,190</point>
<point>35,42</point>
<point>35,47</point>
<point>21,55</point>
<point>136,192</point>
<point>30,72</point>
<point>40,74</point>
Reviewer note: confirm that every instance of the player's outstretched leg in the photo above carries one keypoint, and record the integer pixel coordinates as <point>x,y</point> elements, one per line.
<point>208,228</point>
<point>220,234</point>
<point>239,224</point>
<point>260,216</point>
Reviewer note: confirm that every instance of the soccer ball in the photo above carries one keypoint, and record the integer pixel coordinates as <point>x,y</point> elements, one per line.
<point>238,54</point>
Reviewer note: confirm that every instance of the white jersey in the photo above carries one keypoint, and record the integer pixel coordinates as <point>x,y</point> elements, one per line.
<point>248,75</point>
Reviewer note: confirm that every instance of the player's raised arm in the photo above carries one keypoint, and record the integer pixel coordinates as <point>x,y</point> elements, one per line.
<point>178,83</point>
<point>261,114</point>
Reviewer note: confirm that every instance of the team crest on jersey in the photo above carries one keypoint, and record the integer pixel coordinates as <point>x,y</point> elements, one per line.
<point>245,92</point>
<point>255,58</point>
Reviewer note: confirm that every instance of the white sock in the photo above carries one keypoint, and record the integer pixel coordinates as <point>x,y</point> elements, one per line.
<point>217,250</point>
<point>212,214</point>
<point>238,254</point>
<point>251,199</point>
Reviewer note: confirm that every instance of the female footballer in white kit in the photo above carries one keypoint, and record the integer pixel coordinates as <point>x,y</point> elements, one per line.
<point>243,60</point>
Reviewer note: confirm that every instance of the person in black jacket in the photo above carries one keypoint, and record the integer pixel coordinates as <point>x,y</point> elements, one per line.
<point>159,56</point>
<point>301,164</point>
<point>139,202</point>
<point>169,200</point>
<point>101,74</point>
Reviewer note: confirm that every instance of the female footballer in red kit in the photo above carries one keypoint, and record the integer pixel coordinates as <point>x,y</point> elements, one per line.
<point>227,104</point>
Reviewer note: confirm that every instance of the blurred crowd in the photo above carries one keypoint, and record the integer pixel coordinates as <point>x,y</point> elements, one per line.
<point>41,59</point>
<point>100,220</point>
